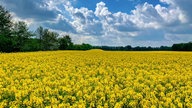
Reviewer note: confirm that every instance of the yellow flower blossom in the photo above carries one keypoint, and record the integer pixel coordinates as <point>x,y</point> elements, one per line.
<point>83,79</point>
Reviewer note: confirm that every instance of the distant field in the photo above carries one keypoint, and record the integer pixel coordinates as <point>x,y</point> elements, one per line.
<point>96,78</point>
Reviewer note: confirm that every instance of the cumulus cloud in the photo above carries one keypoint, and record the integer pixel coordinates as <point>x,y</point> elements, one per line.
<point>114,23</point>
<point>84,21</point>
<point>146,24</point>
<point>102,10</point>
<point>184,6</point>
<point>146,16</point>
<point>149,16</point>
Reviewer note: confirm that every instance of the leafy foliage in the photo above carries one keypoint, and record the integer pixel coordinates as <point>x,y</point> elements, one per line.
<point>21,35</point>
<point>6,43</point>
<point>5,22</point>
<point>65,43</point>
<point>182,47</point>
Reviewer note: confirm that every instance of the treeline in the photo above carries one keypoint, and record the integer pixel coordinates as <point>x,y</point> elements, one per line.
<point>174,47</point>
<point>16,37</point>
<point>130,48</point>
<point>182,47</point>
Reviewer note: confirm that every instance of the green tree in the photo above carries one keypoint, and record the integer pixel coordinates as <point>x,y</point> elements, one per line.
<point>47,39</point>
<point>21,34</point>
<point>65,43</point>
<point>6,43</point>
<point>86,46</point>
<point>33,44</point>
<point>128,48</point>
<point>5,22</point>
<point>39,35</point>
<point>182,47</point>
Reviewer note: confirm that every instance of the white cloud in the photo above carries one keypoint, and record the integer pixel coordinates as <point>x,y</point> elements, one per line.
<point>101,10</point>
<point>84,21</point>
<point>167,1</point>
<point>146,16</point>
<point>118,27</point>
<point>171,15</point>
<point>115,24</point>
<point>146,25</point>
<point>185,7</point>
<point>157,17</point>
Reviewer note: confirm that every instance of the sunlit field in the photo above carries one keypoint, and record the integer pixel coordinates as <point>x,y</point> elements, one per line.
<point>96,79</point>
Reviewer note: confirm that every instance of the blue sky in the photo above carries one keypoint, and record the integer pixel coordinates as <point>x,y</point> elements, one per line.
<point>109,22</point>
<point>114,5</point>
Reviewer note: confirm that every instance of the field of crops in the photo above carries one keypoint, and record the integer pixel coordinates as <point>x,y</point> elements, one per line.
<point>78,79</point>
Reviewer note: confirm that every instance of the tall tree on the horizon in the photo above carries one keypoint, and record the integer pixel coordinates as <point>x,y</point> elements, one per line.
<point>39,35</point>
<point>6,42</point>
<point>21,34</point>
<point>5,22</point>
<point>47,38</point>
<point>65,42</point>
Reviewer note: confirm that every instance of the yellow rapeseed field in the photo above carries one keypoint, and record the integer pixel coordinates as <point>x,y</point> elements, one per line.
<point>96,79</point>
